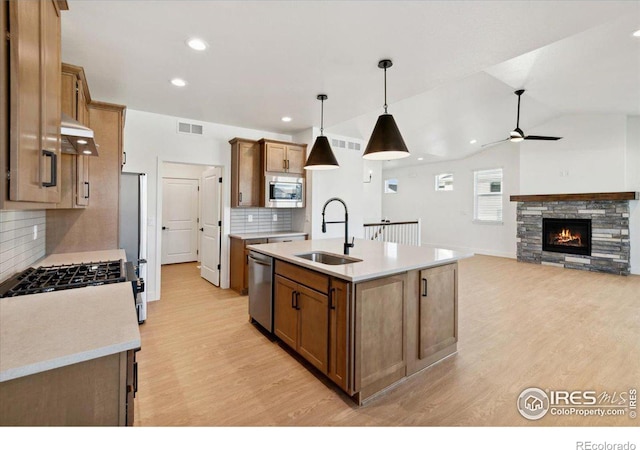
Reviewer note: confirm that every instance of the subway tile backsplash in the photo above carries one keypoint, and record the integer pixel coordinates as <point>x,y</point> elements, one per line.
<point>18,248</point>
<point>261,220</point>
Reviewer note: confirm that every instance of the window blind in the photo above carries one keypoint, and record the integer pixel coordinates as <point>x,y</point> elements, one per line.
<point>488,195</point>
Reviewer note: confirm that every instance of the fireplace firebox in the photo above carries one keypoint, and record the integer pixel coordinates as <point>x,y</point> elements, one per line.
<point>567,236</point>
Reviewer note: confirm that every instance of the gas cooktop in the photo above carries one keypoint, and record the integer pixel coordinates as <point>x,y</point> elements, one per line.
<point>56,278</point>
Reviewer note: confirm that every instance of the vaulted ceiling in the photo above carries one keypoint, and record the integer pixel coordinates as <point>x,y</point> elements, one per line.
<point>456,64</point>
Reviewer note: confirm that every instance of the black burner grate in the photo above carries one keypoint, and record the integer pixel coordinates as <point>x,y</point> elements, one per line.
<point>56,278</point>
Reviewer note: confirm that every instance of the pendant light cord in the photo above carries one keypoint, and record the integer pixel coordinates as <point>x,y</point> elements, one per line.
<point>321,116</point>
<point>385,90</point>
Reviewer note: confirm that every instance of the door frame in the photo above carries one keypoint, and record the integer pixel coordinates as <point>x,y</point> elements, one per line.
<point>224,215</point>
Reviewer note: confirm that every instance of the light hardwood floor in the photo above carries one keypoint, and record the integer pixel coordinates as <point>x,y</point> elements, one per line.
<point>520,325</point>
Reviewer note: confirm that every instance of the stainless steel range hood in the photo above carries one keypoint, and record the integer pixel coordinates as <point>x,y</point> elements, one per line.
<point>77,139</point>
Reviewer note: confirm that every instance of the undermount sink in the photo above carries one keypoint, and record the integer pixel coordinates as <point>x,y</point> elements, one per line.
<point>328,258</point>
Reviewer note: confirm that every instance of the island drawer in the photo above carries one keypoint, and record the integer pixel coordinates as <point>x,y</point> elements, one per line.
<point>309,278</point>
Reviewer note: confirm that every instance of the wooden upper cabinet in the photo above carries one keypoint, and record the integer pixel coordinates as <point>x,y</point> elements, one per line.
<point>246,176</point>
<point>34,105</point>
<point>75,185</point>
<point>283,157</point>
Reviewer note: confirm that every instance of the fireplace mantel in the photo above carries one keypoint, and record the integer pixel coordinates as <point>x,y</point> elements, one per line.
<point>596,196</point>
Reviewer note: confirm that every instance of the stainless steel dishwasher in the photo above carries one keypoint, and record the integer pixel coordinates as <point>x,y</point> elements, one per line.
<point>260,289</point>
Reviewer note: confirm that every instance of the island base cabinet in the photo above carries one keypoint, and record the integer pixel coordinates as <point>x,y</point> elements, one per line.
<point>379,350</point>
<point>90,393</point>
<point>301,320</point>
<point>339,327</point>
<point>432,331</point>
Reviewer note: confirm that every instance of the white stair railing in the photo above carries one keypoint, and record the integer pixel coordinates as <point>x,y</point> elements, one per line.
<point>407,233</point>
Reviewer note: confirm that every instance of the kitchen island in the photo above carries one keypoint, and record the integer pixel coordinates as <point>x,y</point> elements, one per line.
<point>370,319</point>
<point>67,357</point>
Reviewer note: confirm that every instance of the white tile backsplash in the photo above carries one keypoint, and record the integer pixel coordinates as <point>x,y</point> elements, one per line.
<point>262,220</point>
<point>18,248</point>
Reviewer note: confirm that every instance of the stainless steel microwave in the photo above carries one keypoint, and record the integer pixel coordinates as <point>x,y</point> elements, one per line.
<point>284,192</point>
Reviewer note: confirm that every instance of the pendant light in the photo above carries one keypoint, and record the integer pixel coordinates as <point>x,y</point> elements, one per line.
<point>386,141</point>
<point>321,156</point>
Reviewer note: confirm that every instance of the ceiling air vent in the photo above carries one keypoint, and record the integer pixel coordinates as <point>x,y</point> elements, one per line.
<point>189,128</point>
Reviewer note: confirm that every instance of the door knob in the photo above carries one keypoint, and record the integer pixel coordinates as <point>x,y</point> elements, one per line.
<point>201,229</point>
<point>165,228</point>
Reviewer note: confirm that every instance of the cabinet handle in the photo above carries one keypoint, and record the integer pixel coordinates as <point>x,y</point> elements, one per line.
<point>293,300</point>
<point>239,197</point>
<point>287,164</point>
<point>53,180</point>
<point>332,292</point>
<point>298,300</point>
<point>135,379</point>
<point>124,158</point>
<point>88,189</point>
<point>424,287</point>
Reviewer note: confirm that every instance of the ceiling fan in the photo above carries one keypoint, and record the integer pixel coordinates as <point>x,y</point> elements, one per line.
<point>517,135</point>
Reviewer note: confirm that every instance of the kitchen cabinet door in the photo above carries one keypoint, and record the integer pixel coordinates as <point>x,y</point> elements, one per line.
<point>285,314</point>
<point>275,157</point>
<point>35,80</point>
<point>295,159</point>
<point>338,367</point>
<point>246,175</point>
<point>82,183</point>
<point>438,308</point>
<point>313,326</point>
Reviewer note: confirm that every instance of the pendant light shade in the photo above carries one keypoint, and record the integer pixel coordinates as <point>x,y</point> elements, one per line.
<point>321,156</point>
<point>385,142</point>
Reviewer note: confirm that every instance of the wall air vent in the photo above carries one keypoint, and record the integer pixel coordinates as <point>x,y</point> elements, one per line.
<point>341,143</point>
<point>190,128</point>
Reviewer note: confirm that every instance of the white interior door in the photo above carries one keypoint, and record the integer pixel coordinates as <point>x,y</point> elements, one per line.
<point>179,220</point>
<point>210,226</point>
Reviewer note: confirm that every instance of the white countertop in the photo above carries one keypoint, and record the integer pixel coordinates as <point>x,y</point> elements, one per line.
<point>267,234</point>
<point>45,331</point>
<point>378,258</point>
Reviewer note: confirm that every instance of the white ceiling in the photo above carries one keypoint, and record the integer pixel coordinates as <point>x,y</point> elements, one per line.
<point>456,64</point>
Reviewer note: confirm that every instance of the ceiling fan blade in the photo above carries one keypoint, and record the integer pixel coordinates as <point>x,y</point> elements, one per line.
<point>542,138</point>
<point>493,143</point>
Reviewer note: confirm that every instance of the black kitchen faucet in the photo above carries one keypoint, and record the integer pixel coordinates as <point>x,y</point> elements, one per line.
<point>347,245</point>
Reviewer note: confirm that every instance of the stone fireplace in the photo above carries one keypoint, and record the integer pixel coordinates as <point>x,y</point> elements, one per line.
<point>576,231</point>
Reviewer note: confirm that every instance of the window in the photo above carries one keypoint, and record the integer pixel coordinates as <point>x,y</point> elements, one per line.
<point>488,195</point>
<point>391,186</point>
<point>444,182</point>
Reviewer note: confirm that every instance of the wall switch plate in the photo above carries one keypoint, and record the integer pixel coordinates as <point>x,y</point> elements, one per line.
<point>250,218</point>
<point>275,217</point>
<point>35,232</point>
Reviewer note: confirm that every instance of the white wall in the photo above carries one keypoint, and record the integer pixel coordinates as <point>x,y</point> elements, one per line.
<point>149,141</point>
<point>590,157</point>
<point>186,171</point>
<point>633,184</point>
<point>348,183</point>
<point>447,216</point>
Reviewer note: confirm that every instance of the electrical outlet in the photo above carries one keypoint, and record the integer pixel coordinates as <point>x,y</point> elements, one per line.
<point>250,218</point>
<point>35,232</point>
<point>275,217</point>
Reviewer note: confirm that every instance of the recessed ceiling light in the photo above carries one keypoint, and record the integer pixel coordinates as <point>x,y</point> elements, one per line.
<point>86,152</point>
<point>472,141</point>
<point>420,159</point>
<point>178,82</point>
<point>81,141</point>
<point>637,33</point>
<point>197,44</point>
<point>286,119</point>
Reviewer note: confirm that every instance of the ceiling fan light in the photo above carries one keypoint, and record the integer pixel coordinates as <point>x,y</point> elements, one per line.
<point>321,156</point>
<point>516,135</point>
<point>386,142</point>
